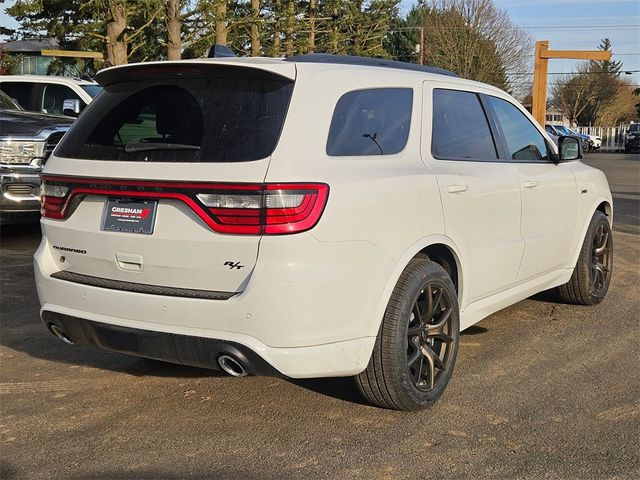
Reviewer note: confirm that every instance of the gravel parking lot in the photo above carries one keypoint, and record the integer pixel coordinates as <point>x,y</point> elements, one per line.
<point>541,390</point>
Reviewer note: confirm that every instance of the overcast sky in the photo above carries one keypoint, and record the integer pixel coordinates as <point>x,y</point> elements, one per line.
<point>567,24</point>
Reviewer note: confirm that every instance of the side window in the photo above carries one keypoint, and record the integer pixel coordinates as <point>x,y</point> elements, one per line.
<point>371,122</point>
<point>19,91</point>
<point>460,127</point>
<point>524,141</point>
<point>53,97</point>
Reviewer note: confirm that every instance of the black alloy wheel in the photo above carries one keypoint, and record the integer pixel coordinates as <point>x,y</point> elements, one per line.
<point>591,277</point>
<point>429,336</point>
<point>415,350</point>
<point>601,260</point>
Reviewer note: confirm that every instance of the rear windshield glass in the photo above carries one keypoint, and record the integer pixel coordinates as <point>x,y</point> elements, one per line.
<point>224,114</point>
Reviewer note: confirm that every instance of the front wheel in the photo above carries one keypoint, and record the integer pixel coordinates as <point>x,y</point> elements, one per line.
<point>591,276</point>
<point>416,347</point>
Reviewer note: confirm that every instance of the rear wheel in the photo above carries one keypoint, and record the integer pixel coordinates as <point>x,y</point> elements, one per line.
<point>591,276</point>
<point>415,351</point>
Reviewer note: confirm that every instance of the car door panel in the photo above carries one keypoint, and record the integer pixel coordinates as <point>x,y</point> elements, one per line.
<point>548,217</point>
<point>549,192</point>
<point>481,198</point>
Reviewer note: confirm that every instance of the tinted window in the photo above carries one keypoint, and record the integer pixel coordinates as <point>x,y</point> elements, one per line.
<point>54,96</point>
<point>92,90</point>
<point>524,141</point>
<point>6,103</point>
<point>371,122</point>
<point>460,127</point>
<point>19,91</point>
<point>223,114</point>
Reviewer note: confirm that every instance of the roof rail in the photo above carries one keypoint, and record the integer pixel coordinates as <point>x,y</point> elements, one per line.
<point>366,61</point>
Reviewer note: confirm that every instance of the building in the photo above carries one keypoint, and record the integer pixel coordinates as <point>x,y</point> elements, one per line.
<point>32,61</point>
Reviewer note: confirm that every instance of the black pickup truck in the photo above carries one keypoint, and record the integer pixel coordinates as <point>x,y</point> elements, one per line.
<point>26,140</point>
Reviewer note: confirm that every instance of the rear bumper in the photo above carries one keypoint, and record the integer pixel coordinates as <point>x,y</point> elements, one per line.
<point>169,347</point>
<point>308,310</point>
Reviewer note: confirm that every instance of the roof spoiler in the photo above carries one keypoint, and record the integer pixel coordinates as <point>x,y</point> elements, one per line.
<point>220,51</point>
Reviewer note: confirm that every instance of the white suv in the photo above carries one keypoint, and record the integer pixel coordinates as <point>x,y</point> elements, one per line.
<point>310,217</point>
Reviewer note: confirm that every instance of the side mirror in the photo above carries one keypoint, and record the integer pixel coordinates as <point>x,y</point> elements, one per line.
<point>569,148</point>
<point>71,107</point>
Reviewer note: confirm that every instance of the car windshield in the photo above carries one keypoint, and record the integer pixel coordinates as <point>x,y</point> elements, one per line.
<point>635,127</point>
<point>6,103</point>
<point>92,90</point>
<point>563,129</point>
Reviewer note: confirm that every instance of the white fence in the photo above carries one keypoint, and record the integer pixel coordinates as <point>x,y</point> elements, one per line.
<point>612,137</point>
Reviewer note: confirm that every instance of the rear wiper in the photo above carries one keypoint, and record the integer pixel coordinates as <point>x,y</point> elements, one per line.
<point>148,146</point>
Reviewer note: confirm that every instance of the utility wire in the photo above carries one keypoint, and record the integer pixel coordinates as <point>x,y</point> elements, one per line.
<point>573,73</point>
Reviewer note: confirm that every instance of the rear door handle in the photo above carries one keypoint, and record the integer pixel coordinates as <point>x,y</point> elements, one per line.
<point>530,184</point>
<point>457,188</point>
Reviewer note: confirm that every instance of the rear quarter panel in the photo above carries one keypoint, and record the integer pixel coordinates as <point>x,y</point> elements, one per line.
<point>390,201</point>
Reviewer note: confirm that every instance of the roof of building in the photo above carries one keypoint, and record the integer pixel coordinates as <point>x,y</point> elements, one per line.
<point>23,46</point>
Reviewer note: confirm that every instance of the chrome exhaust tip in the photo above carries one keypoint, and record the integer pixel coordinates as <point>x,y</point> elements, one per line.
<point>58,332</point>
<point>231,366</point>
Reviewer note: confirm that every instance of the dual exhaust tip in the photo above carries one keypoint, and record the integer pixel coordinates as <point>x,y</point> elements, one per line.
<point>58,332</point>
<point>232,365</point>
<point>228,363</point>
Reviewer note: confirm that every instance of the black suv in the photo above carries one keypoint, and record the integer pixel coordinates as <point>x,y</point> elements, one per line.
<point>632,138</point>
<point>26,140</point>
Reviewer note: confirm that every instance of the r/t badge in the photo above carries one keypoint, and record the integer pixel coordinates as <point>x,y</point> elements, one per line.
<point>232,265</point>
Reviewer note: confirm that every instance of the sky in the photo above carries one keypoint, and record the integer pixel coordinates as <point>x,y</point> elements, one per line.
<point>567,24</point>
<point>578,25</point>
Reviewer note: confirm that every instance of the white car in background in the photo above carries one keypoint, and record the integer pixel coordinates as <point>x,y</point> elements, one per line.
<point>50,94</point>
<point>595,141</point>
<point>313,216</point>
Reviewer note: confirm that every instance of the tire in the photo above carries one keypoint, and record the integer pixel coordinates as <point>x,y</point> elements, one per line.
<point>591,276</point>
<point>414,330</point>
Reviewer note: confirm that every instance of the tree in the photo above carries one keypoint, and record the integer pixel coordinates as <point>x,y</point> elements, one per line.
<point>64,20</point>
<point>8,63</point>
<point>593,92</point>
<point>472,38</point>
<point>622,107</point>
<point>174,25</point>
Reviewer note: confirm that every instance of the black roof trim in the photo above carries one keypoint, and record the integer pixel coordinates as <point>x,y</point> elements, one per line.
<point>220,51</point>
<point>366,62</point>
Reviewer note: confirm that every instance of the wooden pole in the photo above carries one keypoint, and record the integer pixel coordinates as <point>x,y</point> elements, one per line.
<point>540,73</point>
<point>540,70</point>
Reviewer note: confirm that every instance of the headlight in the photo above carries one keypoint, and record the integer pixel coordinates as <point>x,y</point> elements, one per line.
<point>15,151</point>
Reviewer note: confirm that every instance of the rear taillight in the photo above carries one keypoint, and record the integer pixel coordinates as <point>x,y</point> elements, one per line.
<point>245,209</point>
<point>53,198</point>
<point>273,209</point>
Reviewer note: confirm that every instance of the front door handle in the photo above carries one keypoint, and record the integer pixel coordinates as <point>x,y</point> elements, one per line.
<point>457,188</point>
<point>530,184</point>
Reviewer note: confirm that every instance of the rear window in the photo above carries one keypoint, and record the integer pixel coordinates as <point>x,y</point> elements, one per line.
<point>223,114</point>
<point>371,122</point>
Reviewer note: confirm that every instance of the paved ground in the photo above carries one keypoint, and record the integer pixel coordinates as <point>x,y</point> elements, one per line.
<point>541,390</point>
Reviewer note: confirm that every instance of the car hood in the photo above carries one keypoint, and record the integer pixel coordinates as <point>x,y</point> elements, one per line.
<point>21,123</point>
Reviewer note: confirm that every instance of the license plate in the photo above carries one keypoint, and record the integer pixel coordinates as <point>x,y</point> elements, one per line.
<point>133,216</point>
